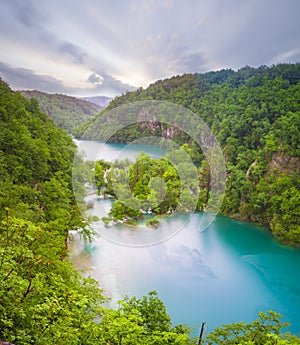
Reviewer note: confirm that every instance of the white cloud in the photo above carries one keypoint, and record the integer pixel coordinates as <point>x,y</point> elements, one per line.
<point>23,78</point>
<point>286,57</point>
<point>98,45</point>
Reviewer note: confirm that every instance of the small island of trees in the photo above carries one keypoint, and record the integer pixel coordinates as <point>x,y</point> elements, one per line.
<point>152,186</point>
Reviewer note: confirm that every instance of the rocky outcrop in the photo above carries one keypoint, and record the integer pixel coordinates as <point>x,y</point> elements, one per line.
<point>282,163</point>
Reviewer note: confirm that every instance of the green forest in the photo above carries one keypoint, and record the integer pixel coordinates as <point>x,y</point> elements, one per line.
<point>45,300</point>
<point>152,186</point>
<point>255,115</point>
<point>66,112</point>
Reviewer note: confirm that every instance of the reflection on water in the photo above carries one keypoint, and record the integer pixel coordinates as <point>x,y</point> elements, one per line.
<point>79,253</point>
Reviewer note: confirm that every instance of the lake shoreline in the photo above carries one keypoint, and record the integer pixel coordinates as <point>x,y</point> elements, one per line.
<point>147,148</point>
<point>235,262</point>
<point>162,216</point>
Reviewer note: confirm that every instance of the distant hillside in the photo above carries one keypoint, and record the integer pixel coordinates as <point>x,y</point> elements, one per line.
<point>102,101</point>
<point>66,112</point>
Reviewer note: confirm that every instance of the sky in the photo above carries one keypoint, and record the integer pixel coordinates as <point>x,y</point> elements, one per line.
<point>108,47</point>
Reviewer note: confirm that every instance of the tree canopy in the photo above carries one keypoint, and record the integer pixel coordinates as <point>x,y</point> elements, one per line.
<point>66,112</point>
<point>255,115</point>
<point>44,300</point>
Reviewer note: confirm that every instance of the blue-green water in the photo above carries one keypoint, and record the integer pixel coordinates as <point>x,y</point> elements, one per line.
<point>94,150</point>
<point>227,273</point>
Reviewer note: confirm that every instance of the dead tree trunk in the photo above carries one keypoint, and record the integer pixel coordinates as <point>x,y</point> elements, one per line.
<point>201,333</point>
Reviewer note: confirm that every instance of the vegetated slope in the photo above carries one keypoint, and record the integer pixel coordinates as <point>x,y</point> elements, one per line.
<point>42,296</point>
<point>44,300</point>
<point>66,112</point>
<point>255,115</point>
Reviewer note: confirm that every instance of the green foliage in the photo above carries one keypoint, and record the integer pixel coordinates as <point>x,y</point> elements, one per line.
<point>149,185</point>
<point>151,311</point>
<point>266,329</point>
<point>100,169</point>
<point>66,112</point>
<point>255,115</point>
<point>43,298</point>
<point>142,321</point>
<point>153,222</point>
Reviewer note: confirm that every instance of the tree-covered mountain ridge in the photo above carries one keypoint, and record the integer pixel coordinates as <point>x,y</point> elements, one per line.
<point>255,115</point>
<point>67,112</point>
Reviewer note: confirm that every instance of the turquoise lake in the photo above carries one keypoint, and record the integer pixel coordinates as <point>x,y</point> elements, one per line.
<point>227,273</point>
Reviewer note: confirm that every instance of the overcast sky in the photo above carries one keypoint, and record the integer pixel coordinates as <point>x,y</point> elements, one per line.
<point>106,47</point>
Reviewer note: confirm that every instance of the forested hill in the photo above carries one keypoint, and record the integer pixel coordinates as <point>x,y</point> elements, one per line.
<point>255,115</point>
<point>66,112</point>
<point>43,299</point>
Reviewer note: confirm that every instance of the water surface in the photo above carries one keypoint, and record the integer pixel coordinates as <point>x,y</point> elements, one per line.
<point>227,273</point>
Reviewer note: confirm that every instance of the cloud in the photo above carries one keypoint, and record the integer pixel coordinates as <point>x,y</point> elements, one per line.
<point>150,5</point>
<point>27,13</point>
<point>240,33</point>
<point>22,78</point>
<point>285,57</point>
<point>31,25</point>
<point>103,80</point>
<point>95,78</point>
<point>99,45</point>
<point>72,50</point>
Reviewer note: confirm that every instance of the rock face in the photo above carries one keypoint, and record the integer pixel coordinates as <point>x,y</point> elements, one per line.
<point>150,121</point>
<point>167,132</point>
<point>282,163</point>
<point>170,132</point>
